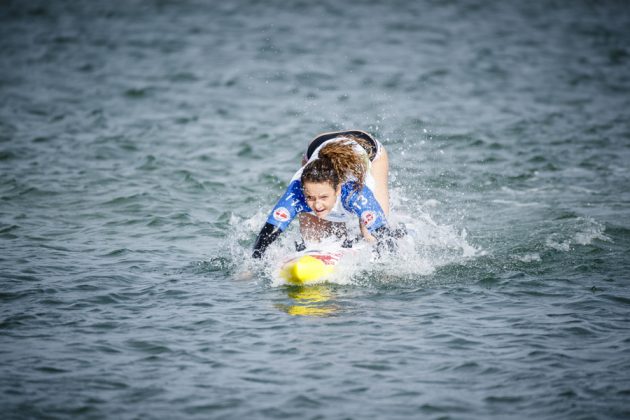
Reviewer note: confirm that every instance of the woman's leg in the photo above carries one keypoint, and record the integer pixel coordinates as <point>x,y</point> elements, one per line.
<point>380,172</point>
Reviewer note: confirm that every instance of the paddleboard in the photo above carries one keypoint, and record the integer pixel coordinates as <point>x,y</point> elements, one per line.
<point>310,266</point>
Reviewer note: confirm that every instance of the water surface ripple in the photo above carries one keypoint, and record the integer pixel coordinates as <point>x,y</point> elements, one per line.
<point>142,143</point>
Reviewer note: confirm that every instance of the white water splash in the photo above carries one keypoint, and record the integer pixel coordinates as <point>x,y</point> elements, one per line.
<point>428,246</point>
<point>527,258</point>
<point>581,231</point>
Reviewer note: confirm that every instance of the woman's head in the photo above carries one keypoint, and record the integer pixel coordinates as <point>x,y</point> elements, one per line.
<point>337,162</point>
<point>321,186</point>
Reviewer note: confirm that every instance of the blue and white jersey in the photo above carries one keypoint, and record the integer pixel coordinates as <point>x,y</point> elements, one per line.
<point>349,205</point>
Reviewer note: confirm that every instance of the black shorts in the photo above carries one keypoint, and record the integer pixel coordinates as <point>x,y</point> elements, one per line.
<point>317,141</point>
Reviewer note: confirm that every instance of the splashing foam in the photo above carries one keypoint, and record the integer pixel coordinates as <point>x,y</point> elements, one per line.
<point>427,247</point>
<point>527,258</point>
<point>581,231</point>
<point>429,244</point>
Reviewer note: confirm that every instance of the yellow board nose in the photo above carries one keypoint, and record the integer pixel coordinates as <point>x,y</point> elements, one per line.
<point>306,269</point>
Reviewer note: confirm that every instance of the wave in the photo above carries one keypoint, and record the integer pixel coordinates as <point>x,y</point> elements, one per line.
<point>579,231</point>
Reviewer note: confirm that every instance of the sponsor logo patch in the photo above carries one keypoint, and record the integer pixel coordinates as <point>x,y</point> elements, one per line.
<point>368,218</point>
<point>281,214</point>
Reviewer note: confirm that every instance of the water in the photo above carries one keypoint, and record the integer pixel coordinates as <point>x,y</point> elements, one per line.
<point>142,143</point>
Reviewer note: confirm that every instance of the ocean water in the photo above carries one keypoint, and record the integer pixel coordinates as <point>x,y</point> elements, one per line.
<point>143,142</point>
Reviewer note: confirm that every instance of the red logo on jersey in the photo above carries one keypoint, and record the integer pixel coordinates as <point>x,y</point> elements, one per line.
<point>368,218</point>
<point>281,214</point>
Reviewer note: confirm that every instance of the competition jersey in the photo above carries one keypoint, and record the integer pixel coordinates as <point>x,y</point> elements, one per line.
<point>349,205</point>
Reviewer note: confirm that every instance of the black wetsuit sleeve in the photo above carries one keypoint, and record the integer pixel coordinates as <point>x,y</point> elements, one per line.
<point>267,235</point>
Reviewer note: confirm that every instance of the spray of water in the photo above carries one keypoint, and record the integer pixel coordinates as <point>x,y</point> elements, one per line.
<point>428,246</point>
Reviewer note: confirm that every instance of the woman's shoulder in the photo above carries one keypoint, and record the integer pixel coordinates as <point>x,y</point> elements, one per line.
<point>350,192</point>
<point>298,175</point>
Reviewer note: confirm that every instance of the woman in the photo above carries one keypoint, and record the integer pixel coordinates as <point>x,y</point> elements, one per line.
<point>344,177</point>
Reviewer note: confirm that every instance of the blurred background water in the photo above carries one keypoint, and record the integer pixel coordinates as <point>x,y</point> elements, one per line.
<point>143,142</point>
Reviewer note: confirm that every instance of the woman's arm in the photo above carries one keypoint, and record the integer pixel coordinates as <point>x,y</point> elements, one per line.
<point>267,235</point>
<point>290,204</point>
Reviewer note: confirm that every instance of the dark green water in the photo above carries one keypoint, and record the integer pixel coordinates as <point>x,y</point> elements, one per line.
<point>143,142</point>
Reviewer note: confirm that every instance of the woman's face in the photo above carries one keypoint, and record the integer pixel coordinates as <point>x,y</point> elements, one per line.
<point>320,197</point>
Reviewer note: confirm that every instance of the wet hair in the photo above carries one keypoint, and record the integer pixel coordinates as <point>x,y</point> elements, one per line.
<point>321,170</point>
<point>338,161</point>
